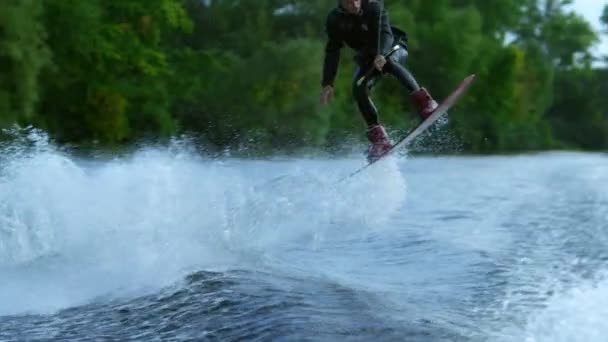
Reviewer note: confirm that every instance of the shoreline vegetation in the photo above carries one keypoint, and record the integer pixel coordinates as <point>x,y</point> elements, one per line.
<point>243,77</point>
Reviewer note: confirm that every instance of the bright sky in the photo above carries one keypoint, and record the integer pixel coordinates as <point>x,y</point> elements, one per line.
<point>592,11</point>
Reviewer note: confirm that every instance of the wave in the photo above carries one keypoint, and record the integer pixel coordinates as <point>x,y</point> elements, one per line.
<point>89,227</point>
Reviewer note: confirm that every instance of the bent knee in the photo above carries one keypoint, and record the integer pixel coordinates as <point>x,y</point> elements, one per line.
<point>399,56</point>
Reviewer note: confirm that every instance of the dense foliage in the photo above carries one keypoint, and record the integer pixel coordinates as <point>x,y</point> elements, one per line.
<point>246,74</point>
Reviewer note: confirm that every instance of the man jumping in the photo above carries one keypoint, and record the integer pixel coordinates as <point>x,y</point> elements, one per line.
<point>364,26</point>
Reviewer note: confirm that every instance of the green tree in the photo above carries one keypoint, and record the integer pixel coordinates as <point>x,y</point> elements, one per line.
<point>565,36</point>
<point>246,74</point>
<point>270,102</point>
<point>23,54</point>
<point>109,77</point>
<point>604,20</point>
<point>578,114</point>
<point>499,17</point>
<point>604,17</point>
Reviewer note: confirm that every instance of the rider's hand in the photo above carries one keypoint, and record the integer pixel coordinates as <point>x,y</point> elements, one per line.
<point>379,62</point>
<point>326,94</point>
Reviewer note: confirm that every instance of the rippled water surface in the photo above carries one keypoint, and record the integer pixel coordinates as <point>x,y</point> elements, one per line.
<point>168,246</point>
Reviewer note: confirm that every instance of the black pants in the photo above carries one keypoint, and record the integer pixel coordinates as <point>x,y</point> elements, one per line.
<point>395,67</point>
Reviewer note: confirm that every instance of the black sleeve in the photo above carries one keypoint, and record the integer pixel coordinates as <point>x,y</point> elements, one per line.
<point>332,53</point>
<point>380,23</point>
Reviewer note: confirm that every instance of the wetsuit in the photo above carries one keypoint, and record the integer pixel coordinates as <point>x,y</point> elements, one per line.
<point>361,33</point>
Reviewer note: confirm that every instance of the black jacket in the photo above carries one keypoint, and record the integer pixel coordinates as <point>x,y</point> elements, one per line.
<point>359,32</point>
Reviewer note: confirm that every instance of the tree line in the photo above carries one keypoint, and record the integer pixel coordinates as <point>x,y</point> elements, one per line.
<point>245,75</point>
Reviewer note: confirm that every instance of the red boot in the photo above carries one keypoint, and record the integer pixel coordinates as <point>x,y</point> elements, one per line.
<point>424,103</point>
<point>380,143</point>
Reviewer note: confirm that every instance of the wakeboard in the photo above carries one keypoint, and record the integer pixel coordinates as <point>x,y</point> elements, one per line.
<point>445,105</point>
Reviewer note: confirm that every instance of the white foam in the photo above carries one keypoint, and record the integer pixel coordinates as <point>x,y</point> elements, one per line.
<point>578,314</point>
<point>74,230</point>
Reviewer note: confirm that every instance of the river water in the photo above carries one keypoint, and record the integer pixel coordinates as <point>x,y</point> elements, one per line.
<point>167,245</point>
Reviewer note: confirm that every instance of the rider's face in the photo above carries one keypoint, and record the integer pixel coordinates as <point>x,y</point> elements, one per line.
<point>352,6</point>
